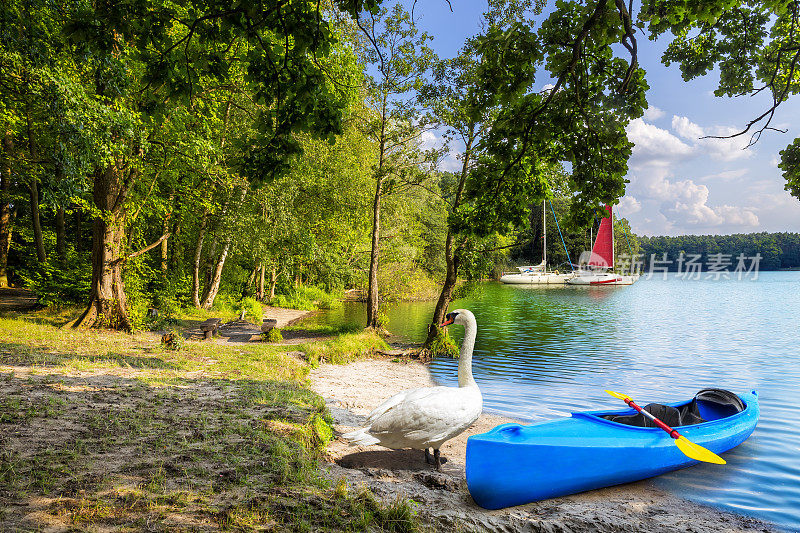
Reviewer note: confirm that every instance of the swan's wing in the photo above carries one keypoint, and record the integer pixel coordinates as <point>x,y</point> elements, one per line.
<point>391,402</point>
<point>429,415</point>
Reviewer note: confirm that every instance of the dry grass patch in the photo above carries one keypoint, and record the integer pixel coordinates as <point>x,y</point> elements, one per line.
<point>107,431</point>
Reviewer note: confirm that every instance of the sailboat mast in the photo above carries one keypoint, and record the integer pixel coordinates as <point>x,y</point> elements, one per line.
<point>611,216</point>
<point>544,235</point>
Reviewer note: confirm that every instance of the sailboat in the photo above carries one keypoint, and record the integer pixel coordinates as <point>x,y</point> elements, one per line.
<point>599,269</point>
<point>537,274</point>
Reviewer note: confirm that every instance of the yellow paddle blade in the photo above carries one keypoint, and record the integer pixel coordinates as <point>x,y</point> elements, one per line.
<point>697,452</point>
<point>618,395</point>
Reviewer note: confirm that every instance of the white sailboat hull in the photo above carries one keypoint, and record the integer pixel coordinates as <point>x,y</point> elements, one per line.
<point>536,278</point>
<point>603,278</point>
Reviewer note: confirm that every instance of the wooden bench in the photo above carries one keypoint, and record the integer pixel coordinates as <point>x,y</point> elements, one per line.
<point>209,327</point>
<point>268,325</point>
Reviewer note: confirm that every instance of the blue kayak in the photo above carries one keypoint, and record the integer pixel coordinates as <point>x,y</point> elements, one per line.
<point>515,464</point>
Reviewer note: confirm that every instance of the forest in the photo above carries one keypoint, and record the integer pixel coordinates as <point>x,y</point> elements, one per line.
<point>192,154</point>
<point>777,250</point>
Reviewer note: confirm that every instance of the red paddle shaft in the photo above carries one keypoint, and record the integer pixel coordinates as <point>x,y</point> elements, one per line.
<point>672,433</point>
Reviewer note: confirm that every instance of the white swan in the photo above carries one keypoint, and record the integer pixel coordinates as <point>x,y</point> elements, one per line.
<point>426,417</point>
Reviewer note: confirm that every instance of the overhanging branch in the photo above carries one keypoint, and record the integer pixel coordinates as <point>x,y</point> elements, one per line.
<point>145,249</point>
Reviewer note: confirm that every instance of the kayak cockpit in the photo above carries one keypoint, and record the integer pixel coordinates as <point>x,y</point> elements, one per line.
<point>708,405</point>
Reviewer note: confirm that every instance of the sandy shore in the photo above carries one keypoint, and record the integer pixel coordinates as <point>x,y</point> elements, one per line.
<point>353,390</point>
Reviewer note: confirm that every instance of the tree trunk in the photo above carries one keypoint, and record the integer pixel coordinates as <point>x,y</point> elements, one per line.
<point>78,231</point>
<point>372,292</point>
<point>6,220</point>
<point>261,283</point>
<point>215,274</point>
<point>451,278</point>
<point>216,278</point>
<point>198,253</point>
<point>108,306</point>
<point>451,256</point>
<point>176,256</point>
<point>165,230</point>
<point>33,189</point>
<point>61,237</point>
<point>273,278</point>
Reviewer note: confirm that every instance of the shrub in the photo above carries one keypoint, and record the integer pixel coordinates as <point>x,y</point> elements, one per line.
<point>443,344</point>
<point>252,307</point>
<point>382,320</point>
<point>308,298</point>
<point>59,285</point>
<point>344,348</point>
<point>172,340</point>
<point>273,335</point>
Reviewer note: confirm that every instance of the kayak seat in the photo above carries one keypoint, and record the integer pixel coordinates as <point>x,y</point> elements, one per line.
<point>666,413</point>
<point>713,404</point>
<point>708,404</point>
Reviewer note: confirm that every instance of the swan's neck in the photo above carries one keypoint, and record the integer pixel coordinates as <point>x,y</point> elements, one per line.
<point>465,356</point>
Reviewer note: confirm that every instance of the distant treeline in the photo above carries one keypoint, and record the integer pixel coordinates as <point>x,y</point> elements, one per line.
<point>777,250</point>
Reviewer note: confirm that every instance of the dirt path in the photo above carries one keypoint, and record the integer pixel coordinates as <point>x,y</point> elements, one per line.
<point>16,299</point>
<point>353,390</point>
<point>245,332</point>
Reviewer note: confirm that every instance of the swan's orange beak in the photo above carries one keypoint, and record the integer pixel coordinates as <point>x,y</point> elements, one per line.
<point>449,319</point>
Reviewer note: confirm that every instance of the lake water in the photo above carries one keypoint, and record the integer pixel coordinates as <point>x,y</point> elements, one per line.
<point>542,353</point>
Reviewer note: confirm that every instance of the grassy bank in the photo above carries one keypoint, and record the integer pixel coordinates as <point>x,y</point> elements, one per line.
<point>104,430</point>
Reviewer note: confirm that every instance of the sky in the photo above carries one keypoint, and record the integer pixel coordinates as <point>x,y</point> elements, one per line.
<point>679,183</point>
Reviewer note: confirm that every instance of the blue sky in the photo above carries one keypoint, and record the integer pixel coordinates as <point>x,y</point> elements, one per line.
<point>679,183</point>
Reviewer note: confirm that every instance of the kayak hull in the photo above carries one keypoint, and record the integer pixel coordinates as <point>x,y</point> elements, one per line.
<point>515,464</point>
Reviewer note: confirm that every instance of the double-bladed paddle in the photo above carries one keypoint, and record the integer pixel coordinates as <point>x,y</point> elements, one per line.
<point>689,448</point>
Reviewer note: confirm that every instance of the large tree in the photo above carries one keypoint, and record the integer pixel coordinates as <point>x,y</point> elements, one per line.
<point>394,121</point>
<point>580,119</point>
<point>145,59</point>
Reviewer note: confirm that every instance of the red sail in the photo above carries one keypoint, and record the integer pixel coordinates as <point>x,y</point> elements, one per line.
<point>603,250</point>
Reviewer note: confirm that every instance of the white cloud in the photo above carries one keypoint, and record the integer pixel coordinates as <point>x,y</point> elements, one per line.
<point>653,113</point>
<point>428,140</point>
<point>451,162</point>
<point>686,128</point>
<point>723,149</point>
<point>547,87</point>
<point>628,206</point>
<point>727,175</point>
<point>674,206</point>
<point>774,161</point>
<point>655,145</point>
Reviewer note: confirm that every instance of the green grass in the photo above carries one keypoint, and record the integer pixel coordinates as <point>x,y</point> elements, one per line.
<point>120,434</point>
<point>308,298</point>
<point>345,348</point>
<point>325,329</point>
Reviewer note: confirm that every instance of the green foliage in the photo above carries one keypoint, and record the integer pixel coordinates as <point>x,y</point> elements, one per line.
<point>273,335</point>
<point>466,290</point>
<point>443,344</point>
<point>753,46</point>
<point>307,298</point>
<point>58,285</point>
<point>253,309</point>
<point>790,165</point>
<point>382,320</point>
<point>172,340</point>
